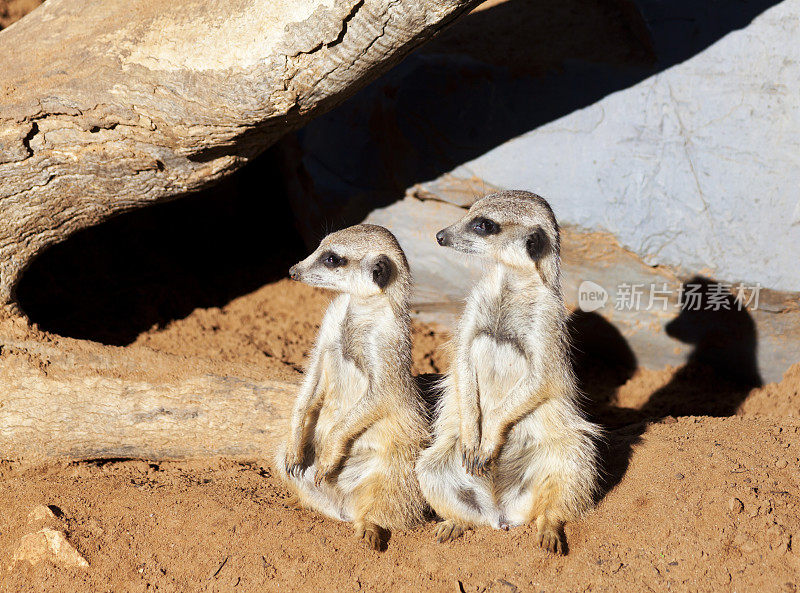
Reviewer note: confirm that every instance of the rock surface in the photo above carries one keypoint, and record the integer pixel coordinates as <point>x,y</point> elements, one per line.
<point>47,545</point>
<point>696,166</point>
<point>654,123</point>
<point>672,126</point>
<point>640,309</point>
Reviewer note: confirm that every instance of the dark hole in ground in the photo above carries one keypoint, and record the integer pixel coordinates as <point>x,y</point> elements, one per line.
<point>111,282</point>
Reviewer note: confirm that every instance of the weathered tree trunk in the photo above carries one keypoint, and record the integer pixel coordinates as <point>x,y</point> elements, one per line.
<point>98,417</point>
<point>109,106</point>
<point>86,401</point>
<point>105,418</point>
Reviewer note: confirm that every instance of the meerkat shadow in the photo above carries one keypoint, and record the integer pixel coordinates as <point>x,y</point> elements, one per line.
<point>722,368</point>
<point>717,377</point>
<point>384,535</point>
<point>603,361</point>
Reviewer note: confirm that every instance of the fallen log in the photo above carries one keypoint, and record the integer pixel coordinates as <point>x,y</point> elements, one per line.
<point>59,404</point>
<point>110,106</point>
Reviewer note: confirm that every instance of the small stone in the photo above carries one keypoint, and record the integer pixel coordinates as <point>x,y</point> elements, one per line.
<point>781,463</point>
<point>48,544</point>
<point>679,476</point>
<point>735,505</point>
<point>668,420</point>
<point>40,513</point>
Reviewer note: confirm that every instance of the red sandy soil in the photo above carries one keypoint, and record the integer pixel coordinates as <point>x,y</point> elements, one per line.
<point>693,503</point>
<point>705,505</point>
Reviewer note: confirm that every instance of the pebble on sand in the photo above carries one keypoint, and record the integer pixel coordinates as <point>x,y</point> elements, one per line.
<point>47,544</point>
<point>40,513</point>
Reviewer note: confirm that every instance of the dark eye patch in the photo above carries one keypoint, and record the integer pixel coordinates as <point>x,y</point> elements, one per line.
<point>330,260</point>
<point>484,226</point>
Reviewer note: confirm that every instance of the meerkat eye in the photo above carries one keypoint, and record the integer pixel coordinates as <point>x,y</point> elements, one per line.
<point>331,260</point>
<point>484,226</point>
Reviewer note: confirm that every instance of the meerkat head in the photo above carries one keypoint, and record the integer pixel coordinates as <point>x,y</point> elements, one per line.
<point>363,260</point>
<point>516,228</point>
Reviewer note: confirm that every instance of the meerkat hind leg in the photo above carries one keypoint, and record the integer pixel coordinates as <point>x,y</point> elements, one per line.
<point>549,534</point>
<point>371,496</point>
<point>293,501</point>
<point>370,532</point>
<point>540,501</point>
<point>448,530</point>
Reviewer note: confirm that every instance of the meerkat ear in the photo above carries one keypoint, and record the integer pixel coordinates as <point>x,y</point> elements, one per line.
<point>382,271</point>
<point>537,244</point>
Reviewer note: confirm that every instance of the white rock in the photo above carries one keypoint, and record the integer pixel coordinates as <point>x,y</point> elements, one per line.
<point>47,545</point>
<point>40,513</point>
<point>697,166</point>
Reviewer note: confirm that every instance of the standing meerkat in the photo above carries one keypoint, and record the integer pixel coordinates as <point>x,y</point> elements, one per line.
<point>358,423</point>
<point>510,443</point>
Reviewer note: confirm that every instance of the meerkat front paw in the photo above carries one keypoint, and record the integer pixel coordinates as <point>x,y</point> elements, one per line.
<point>470,445</point>
<point>476,461</point>
<point>293,463</point>
<point>327,462</point>
<point>370,533</point>
<point>469,456</point>
<point>483,460</point>
<point>324,471</point>
<point>448,531</point>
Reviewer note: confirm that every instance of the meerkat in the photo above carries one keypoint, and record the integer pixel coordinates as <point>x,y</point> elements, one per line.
<point>359,424</point>
<point>510,442</point>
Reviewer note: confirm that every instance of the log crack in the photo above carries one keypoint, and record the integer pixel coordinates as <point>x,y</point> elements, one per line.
<point>26,140</point>
<point>340,37</point>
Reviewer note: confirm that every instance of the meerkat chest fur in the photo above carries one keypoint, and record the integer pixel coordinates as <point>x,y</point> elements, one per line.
<point>357,336</point>
<point>508,333</point>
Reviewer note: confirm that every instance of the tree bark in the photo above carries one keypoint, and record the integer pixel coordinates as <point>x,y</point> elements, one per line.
<point>102,418</point>
<point>110,106</point>
<point>87,401</point>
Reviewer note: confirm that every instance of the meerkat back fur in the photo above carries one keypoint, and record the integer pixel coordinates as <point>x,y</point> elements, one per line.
<point>358,423</point>
<point>510,443</point>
